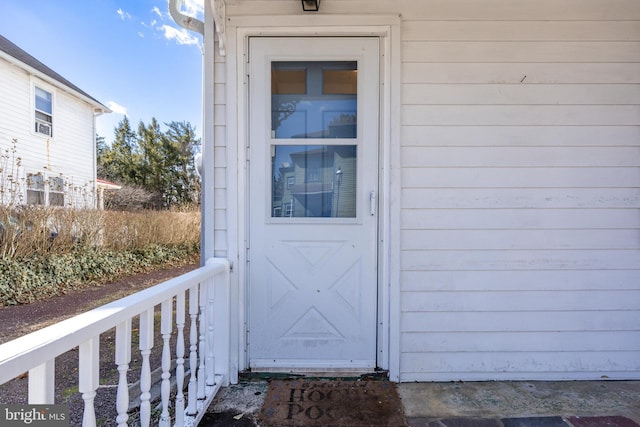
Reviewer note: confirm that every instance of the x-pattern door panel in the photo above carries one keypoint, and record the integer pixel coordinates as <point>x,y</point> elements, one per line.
<point>316,281</point>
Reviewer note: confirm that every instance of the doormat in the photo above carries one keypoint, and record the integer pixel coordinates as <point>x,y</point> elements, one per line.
<point>332,404</point>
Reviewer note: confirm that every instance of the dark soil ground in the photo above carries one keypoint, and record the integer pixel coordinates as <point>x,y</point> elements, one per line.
<point>19,320</point>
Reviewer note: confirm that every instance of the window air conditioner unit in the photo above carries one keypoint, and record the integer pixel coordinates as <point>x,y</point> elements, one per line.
<point>43,128</point>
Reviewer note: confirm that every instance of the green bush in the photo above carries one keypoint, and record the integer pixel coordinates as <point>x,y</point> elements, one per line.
<point>28,280</point>
<point>46,252</point>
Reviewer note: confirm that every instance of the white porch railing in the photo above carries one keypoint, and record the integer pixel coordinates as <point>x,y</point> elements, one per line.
<point>202,295</point>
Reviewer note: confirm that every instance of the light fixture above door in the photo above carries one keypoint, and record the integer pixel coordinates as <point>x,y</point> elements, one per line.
<point>310,5</point>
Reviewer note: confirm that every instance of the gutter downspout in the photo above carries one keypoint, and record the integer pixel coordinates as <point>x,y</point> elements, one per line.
<point>188,22</point>
<point>207,30</point>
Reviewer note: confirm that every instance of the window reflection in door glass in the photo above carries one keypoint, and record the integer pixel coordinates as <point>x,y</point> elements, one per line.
<point>314,99</point>
<point>313,181</point>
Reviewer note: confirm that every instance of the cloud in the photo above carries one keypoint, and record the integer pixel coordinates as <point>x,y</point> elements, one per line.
<point>117,108</point>
<point>123,15</point>
<point>161,24</point>
<point>193,8</point>
<point>180,36</point>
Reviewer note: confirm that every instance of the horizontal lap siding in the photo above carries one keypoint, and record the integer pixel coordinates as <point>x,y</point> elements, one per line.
<point>520,151</point>
<point>72,149</point>
<point>520,195</point>
<point>15,122</point>
<point>419,11</point>
<point>220,157</point>
<point>14,118</point>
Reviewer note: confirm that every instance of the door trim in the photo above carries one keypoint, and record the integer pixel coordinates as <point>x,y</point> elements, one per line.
<point>387,28</point>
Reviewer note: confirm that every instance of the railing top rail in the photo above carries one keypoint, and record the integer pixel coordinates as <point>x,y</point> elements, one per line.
<point>31,350</point>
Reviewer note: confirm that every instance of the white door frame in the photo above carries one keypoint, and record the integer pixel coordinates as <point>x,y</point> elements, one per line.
<point>387,28</point>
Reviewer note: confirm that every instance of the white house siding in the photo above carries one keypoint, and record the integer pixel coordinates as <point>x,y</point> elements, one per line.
<point>19,93</point>
<point>11,118</point>
<point>76,155</point>
<point>70,153</point>
<point>520,194</point>
<point>220,156</point>
<point>520,240</point>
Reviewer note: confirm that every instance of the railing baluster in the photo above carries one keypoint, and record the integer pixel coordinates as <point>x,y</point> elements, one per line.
<point>146,344</point>
<point>208,348</point>
<point>210,362</point>
<point>166,327</point>
<point>42,381</point>
<point>123,358</point>
<point>193,350</point>
<point>180,317</point>
<point>202,350</point>
<point>88,376</point>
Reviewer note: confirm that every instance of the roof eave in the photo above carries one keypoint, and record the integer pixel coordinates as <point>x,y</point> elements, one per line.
<point>98,108</point>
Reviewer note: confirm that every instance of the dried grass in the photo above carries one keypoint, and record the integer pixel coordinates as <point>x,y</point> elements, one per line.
<point>28,231</point>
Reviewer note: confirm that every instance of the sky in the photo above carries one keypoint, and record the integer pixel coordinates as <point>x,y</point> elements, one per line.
<point>128,54</point>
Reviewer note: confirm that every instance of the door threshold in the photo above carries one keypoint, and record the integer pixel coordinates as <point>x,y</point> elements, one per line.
<point>315,374</point>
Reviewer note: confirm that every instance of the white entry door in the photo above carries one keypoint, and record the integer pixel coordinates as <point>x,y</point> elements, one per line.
<point>313,167</point>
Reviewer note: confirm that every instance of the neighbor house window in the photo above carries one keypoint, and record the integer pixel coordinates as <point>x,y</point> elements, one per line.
<point>288,209</point>
<point>43,111</point>
<point>56,191</point>
<point>35,189</point>
<point>39,193</point>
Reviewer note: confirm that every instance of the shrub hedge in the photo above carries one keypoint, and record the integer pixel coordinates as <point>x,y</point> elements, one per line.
<point>49,251</point>
<point>24,281</point>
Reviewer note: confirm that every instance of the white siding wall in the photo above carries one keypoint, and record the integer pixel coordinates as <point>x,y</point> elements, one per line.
<point>220,158</point>
<point>70,153</point>
<point>520,204</point>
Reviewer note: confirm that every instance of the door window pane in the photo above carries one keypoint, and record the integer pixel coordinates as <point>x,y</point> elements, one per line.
<point>313,181</point>
<point>314,99</point>
<point>340,82</point>
<point>289,82</point>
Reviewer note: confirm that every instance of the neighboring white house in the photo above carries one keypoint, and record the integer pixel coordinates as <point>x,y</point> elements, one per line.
<point>494,166</point>
<point>49,123</point>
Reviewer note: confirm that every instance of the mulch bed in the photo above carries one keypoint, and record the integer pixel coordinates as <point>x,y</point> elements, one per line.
<point>329,403</point>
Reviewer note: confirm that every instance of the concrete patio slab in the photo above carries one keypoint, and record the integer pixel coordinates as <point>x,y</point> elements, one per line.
<point>478,404</point>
